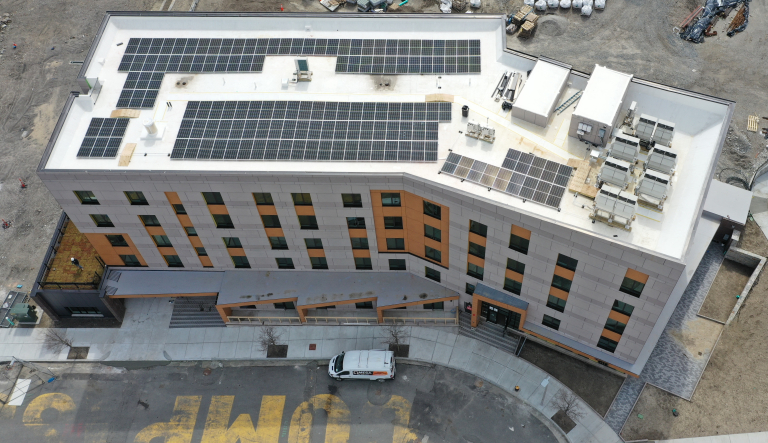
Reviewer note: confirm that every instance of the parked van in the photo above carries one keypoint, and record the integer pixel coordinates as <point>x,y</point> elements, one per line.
<point>376,364</point>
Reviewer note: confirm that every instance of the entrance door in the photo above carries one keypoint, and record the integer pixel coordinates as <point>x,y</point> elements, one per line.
<point>500,316</point>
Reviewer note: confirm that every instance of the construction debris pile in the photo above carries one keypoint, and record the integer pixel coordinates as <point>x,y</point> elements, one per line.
<point>713,9</point>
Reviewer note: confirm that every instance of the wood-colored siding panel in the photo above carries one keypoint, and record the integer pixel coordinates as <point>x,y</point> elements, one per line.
<point>513,275</point>
<point>474,238</point>
<point>565,273</point>
<point>236,252</point>
<point>521,232</point>
<point>637,276</point>
<point>618,316</point>
<point>316,252</point>
<point>206,261</point>
<point>558,293</point>
<point>173,198</point>
<point>361,253</point>
<point>611,335</point>
<point>218,209</point>
<point>477,261</point>
<point>358,233</point>
<point>305,210</point>
<point>184,220</point>
<point>274,232</point>
<point>167,251</point>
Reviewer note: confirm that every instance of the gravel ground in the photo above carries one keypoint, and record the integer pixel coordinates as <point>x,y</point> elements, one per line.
<point>721,298</point>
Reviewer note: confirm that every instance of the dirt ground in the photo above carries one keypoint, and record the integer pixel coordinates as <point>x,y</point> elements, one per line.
<point>721,298</point>
<point>596,386</point>
<point>732,396</point>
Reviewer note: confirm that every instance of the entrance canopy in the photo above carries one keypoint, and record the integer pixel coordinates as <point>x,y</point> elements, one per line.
<point>501,297</point>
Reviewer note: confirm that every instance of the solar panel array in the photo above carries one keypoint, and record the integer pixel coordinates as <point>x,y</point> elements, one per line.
<point>103,138</point>
<point>522,174</point>
<point>409,56</point>
<point>310,131</point>
<point>354,55</point>
<point>140,90</point>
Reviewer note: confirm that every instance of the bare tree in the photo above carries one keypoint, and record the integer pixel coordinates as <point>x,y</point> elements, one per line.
<point>268,336</point>
<point>396,335</point>
<point>56,340</point>
<point>567,402</point>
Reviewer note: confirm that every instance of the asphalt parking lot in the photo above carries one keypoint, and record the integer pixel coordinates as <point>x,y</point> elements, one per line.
<point>296,403</point>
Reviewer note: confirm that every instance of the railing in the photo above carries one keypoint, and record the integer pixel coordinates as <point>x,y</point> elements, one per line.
<point>445,321</point>
<point>237,320</point>
<point>342,320</point>
<point>94,284</point>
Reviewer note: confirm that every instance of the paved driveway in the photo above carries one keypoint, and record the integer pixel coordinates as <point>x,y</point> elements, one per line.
<point>296,404</point>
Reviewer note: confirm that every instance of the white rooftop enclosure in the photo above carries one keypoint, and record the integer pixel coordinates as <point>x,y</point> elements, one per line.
<point>600,104</point>
<point>541,91</point>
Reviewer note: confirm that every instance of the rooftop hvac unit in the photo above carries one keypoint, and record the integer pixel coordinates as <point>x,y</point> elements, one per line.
<point>302,74</point>
<point>645,127</point>
<point>653,188</point>
<point>614,206</point>
<point>480,131</point>
<point>513,85</point>
<point>664,132</point>
<point>625,147</point>
<point>615,172</point>
<point>662,159</point>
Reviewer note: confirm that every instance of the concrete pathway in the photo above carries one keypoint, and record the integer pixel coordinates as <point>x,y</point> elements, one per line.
<point>145,336</point>
<point>670,367</point>
<point>755,437</point>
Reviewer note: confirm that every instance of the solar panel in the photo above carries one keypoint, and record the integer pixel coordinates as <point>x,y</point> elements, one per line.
<point>522,175</point>
<point>306,130</point>
<point>140,90</point>
<point>103,138</point>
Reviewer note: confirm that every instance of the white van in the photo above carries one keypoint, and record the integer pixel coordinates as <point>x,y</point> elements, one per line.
<point>376,364</point>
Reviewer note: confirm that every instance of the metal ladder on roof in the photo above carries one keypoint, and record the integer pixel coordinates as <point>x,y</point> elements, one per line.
<point>560,109</point>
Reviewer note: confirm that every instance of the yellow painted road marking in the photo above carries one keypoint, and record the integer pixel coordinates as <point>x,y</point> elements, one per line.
<point>267,430</point>
<point>60,402</point>
<point>179,428</point>
<point>337,429</point>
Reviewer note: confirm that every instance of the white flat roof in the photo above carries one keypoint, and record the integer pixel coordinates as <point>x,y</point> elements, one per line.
<point>542,88</point>
<point>603,95</point>
<point>700,120</point>
<point>728,201</point>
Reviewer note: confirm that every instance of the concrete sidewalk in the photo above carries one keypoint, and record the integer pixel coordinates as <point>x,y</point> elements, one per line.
<point>145,336</point>
<point>755,437</point>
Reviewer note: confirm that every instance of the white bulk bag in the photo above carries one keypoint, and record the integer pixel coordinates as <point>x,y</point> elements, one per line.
<point>541,5</point>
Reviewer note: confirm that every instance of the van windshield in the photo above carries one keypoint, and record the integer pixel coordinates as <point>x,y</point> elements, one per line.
<point>339,363</point>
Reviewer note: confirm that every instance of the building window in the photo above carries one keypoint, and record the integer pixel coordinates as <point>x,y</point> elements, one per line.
<point>395,244</point>
<point>561,283</point>
<point>433,253</point>
<point>117,240</point>
<point>201,252</point>
<point>130,260</point>
<point>433,233</point>
<point>232,242</point>
<point>513,286</point>
<point>162,241</point>
<point>390,199</point>
<point>519,239</point>
<point>359,243</point>
<point>633,283</point>
<point>86,198</point>
<point>284,263</point>
<point>241,262</point>
<point>475,271</point>
<point>191,231</point>
<point>136,198</point>
<point>437,306</point>
<point>223,221</point>
<point>469,289</point>
<point>263,199</point>
<point>478,228</point>
<point>622,308</point>
<point>355,223</point>
<point>364,305</point>
<point>301,199</point>
<point>363,263</point>
<point>278,243</point>
<point>83,310</point>
<point>352,200</point>
<point>615,326</point>
<point>102,221</point>
<point>558,304</point>
<point>285,305</point>
<point>585,128</point>
<point>476,250</point>
<point>566,262</point>
<point>393,222</point>
<point>397,264</point>
<point>149,220</point>
<point>179,209</point>
<point>432,274</point>
<point>318,262</point>
<point>173,261</point>
<point>607,344</point>
<point>213,198</point>
<point>551,322</point>
<point>270,221</point>
<point>308,222</point>
<point>516,266</point>
<point>431,210</point>
<point>313,243</point>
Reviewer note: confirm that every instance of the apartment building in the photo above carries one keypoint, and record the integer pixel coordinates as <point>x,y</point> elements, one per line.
<point>305,162</point>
